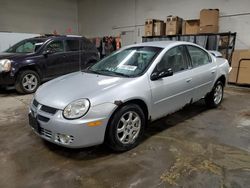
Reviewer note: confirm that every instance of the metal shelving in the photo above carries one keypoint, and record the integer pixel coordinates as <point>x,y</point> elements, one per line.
<point>223,42</point>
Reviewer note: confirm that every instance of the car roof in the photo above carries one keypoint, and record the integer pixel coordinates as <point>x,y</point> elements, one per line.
<point>161,44</point>
<point>46,37</point>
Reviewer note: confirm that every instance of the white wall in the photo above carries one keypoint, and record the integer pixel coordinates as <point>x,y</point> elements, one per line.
<point>9,39</point>
<point>38,16</point>
<point>99,18</point>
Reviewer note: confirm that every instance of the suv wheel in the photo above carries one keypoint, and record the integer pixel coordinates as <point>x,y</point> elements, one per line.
<point>27,82</point>
<point>126,128</point>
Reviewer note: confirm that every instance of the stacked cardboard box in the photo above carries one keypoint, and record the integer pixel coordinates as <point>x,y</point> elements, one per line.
<point>149,27</point>
<point>240,73</point>
<point>173,25</point>
<point>159,28</point>
<point>154,27</point>
<point>209,21</point>
<point>190,27</point>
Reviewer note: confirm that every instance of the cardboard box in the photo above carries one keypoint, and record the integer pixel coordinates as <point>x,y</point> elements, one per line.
<point>233,75</point>
<point>190,27</point>
<point>149,27</point>
<point>223,53</point>
<point>238,55</point>
<point>244,72</point>
<point>173,25</point>
<point>209,17</point>
<point>224,41</point>
<point>209,29</point>
<point>159,28</point>
<point>154,27</point>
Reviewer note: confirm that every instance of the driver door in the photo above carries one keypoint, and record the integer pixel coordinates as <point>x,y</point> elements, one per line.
<point>55,60</point>
<point>171,93</point>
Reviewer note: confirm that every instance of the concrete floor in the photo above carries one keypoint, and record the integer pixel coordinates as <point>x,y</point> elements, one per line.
<point>195,147</point>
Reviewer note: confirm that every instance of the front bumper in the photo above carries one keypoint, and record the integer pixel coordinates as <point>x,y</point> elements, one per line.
<point>6,79</point>
<point>79,132</point>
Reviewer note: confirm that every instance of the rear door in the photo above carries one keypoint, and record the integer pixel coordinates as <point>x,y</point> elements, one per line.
<point>203,71</point>
<point>73,54</point>
<point>171,93</point>
<point>56,59</point>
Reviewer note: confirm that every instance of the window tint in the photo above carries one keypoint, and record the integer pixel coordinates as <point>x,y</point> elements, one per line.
<point>72,45</point>
<point>55,46</point>
<point>175,58</point>
<point>198,56</point>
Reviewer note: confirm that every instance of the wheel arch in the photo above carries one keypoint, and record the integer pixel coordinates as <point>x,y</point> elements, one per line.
<point>120,104</point>
<point>29,67</point>
<point>222,78</point>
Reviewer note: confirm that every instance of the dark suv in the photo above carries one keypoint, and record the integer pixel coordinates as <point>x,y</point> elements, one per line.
<point>30,62</point>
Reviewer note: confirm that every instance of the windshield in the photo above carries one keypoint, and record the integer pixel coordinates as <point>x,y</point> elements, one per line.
<point>130,62</point>
<point>26,46</point>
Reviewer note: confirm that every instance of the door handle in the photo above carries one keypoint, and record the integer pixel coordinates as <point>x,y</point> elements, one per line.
<point>188,80</point>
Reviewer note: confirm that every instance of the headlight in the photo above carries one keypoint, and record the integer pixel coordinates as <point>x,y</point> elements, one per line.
<point>5,65</point>
<point>76,109</point>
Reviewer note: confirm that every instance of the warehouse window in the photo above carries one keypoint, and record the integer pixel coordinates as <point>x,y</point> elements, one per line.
<point>72,45</point>
<point>198,56</point>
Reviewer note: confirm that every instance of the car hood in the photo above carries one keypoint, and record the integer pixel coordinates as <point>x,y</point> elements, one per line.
<point>59,92</point>
<point>13,56</point>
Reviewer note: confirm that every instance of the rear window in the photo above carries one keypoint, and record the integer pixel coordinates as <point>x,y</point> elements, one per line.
<point>72,45</point>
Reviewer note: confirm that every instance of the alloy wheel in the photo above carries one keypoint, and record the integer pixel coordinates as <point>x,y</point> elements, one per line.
<point>29,82</point>
<point>218,92</point>
<point>128,127</point>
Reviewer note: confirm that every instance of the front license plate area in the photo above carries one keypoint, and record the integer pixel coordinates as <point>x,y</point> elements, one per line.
<point>34,123</point>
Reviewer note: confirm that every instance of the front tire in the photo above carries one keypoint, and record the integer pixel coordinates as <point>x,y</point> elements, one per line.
<point>126,128</point>
<point>214,98</point>
<point>27,82</point>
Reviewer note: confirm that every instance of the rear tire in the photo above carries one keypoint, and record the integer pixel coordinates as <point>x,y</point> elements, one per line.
<point>214,98</point>
<point>126,128</point>
<point>27,82</point>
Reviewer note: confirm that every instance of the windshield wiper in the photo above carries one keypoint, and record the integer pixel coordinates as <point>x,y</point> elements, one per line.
<point>114,73</point>
<point>91,71</point>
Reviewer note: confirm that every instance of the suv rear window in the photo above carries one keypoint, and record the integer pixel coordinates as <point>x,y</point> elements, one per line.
<point>72,45</point>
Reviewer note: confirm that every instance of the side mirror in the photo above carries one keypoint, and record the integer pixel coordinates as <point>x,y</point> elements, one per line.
<point>46,52</point>
<point>161,74</point>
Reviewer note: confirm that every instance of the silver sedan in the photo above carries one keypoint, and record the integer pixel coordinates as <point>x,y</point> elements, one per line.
<point>113,100</point>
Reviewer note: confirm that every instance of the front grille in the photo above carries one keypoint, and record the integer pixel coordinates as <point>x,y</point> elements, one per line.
<point>35,103</point>
<point>45,132</point>
<point>44,108</point>
<point>42,118</point>
<point>48,109</point>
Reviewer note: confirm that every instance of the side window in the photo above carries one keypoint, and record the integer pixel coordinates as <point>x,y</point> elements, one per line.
<point>72,45</point>
<point>175,58</point>
<point>87,45</point>
<point>198,56</point>
<point>55,46</point>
